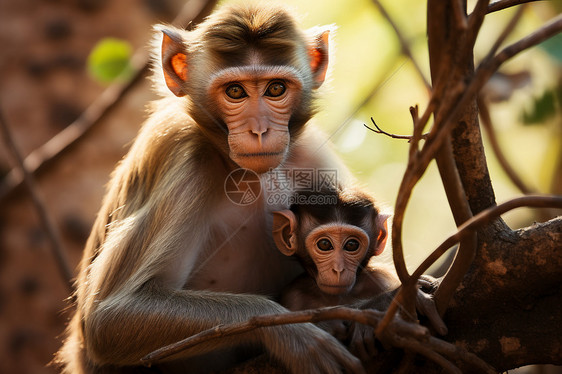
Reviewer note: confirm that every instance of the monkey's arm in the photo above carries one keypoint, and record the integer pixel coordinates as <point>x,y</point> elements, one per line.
<point>131,300</point>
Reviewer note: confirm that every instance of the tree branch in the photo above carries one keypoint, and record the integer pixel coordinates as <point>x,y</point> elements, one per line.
<point>483,73</point>
<point>504,4</point>
<point>411,337</point>
<point>405,47</point>
<point>378,130</point>
<point>369,317</point>
<point>456,196</point>
<point>54,236</point>
<point>504,163</point>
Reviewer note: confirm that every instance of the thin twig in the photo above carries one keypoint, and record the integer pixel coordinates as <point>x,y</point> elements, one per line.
<point>452,350</point>
<point>507,30</point>
<point>378,130</point>
<point>403,42</point>
<point>56,243</point>
<point>504,163</point>
<point>423,349</point>
<point>107,100</point>
<point>504,4</point>
<point>387,76</point>
<point>552,28</point>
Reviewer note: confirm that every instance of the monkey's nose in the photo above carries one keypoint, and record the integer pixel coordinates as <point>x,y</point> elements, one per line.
<point>338,271</point>
<point>260,133</point>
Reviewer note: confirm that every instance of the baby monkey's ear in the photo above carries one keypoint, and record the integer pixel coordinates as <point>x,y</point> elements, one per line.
<point>284,235</point>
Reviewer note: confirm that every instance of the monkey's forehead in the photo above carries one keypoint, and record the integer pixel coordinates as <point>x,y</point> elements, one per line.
<point>341,230</point>
<point>256,72</point>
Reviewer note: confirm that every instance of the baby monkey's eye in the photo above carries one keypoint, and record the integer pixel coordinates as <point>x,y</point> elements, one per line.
<point>351,245</point>
<point>324,245</point>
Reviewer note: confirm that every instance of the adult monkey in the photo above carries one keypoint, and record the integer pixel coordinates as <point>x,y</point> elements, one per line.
<point>169,255</point>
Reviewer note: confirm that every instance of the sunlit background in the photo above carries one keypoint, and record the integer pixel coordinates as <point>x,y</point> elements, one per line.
<point>53,65</point>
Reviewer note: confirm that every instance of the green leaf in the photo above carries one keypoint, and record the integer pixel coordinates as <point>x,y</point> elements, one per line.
<point>543,108</point>
<point>109,59</point>
<point>553,47</point>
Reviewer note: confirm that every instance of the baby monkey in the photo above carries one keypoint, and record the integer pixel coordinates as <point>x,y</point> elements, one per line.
<point>334,240</point>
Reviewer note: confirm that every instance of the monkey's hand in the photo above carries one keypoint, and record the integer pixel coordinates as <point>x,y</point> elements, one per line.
<point>361,341</point>
<point>305,348</point>
<point>425,304</point>
<point>337,328</point>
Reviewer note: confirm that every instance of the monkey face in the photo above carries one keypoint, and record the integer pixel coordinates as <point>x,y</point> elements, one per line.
<point>256,103</point>
<point>255,80</point>
<point>337,250</point>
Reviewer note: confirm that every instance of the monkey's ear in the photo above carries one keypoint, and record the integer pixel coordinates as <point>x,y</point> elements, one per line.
<point>284,234</point>
<point>381,227</point>
<point>318,52</point>
<point>174,61</point>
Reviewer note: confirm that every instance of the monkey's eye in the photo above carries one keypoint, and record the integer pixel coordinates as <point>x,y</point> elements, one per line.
<point>235,91</point>
<point>351,245</point>
<point>324,245</point>
<point>275,89</point>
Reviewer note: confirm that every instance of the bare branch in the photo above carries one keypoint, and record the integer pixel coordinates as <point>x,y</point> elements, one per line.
<point>483,73</point>
<point>465,229</point>
<point>460,14</point>
<point>403,42</point>
<point>417,165</point>
<point>456,196</point>
<point>424,350</point>
<point>504,4</point>
<point>475,20</point>
<point>506,166</point>
<point>368,317</point>
<point>378,130</point>
<point>50,227</point>
<point>462,354</point>
<point>549,30</point>
<point>411,337</point>
<point>507,30</point>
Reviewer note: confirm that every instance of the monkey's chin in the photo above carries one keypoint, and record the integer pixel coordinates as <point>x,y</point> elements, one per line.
<point>335,289</point>
<point>259,162</point>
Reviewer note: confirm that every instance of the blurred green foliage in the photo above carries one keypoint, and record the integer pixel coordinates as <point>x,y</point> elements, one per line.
<point>109,59</point>
<point>543,107</point>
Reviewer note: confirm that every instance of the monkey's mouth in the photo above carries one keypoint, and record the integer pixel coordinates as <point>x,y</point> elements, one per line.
<point>259,162</point>
<point>260,154</point>
<point>334,289</point>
